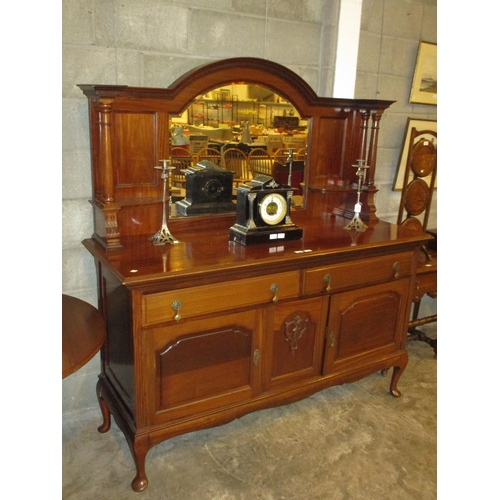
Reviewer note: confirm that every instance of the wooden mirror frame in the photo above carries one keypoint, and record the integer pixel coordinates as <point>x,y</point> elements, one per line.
<point>129,134</point>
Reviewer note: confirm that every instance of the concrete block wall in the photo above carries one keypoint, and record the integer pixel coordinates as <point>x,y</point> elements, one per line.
<point>151,43</point>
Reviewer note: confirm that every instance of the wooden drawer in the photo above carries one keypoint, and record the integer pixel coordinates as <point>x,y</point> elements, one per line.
<point>362,272</point>
<point>161,307</point>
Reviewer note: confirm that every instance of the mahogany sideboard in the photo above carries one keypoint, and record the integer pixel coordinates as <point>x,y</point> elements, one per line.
<point>205,331</point>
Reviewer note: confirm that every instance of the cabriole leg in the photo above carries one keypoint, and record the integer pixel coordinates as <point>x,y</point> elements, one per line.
<point>396,375</point>
<point>140,449</point>
<point>106,414</point>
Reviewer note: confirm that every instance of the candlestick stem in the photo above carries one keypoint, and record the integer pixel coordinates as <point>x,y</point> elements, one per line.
<point>357,224</point>
<point>164,236</point>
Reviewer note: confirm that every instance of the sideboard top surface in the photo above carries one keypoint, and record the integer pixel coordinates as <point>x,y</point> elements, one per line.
<point>205,254</point>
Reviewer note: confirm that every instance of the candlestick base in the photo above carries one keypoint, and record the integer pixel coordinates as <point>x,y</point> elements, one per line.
<point>356,225</point>
<point>162,237</point>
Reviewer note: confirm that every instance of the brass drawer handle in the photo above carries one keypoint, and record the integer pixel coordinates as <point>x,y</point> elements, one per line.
<point>274,289</point>
<point>176,306</point>
<point>328,280</point>
<point>395,266</point>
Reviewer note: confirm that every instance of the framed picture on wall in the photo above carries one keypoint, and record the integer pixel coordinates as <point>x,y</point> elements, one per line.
<point>419,125</point>
<point>424,87</point>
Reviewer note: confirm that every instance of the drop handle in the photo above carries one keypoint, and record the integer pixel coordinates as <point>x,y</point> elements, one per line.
<point>331,339</point>
<point>327,278</point>
<point>176,306</point>
<point>256,357</point>
<point>274,289</point>
<point>395,266</point>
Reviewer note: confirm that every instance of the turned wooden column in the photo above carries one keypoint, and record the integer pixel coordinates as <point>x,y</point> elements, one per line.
<point>109,234</point>
<point>372,152</point>
<point>371,209</point>
<point>105,153</point>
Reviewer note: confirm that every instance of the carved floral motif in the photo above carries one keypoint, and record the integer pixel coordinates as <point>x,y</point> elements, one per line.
<point>295,330</point>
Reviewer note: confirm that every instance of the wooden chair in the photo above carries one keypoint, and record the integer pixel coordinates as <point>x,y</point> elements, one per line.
<point>281,155</point>
<point>210,154</point>
<point>236,161</point>
<point>416,197</point>
<point>260,162</point>
<point>301,154</point>
<point>181,160</point>
<point>419,180</point>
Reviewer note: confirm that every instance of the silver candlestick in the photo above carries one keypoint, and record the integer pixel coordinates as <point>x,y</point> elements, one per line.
<point>357,224</point>
<point>290,165</point>
<point>163,236</point>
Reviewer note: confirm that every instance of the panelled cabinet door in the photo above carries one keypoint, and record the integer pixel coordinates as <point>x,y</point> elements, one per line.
<point>293,342</point>
<point>201,364</point>
<point>365,323</point>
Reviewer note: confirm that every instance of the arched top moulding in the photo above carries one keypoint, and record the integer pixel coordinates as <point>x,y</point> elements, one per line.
<point>246,70</point>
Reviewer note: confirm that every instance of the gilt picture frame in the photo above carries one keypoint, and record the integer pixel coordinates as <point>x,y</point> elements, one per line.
<point>419,125</point>
<point>424,86</point>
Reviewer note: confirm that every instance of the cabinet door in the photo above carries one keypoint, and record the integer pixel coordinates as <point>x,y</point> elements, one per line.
<point>366,323</point>
<point>293,341</point>
<point>201,364</point>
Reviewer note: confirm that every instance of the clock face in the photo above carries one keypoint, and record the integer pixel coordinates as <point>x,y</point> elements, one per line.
<point>273,208</point>
<point>213,188</point>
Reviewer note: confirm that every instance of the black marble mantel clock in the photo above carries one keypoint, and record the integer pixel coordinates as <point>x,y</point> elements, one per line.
<point>208,190</point>
<point>263,213</point>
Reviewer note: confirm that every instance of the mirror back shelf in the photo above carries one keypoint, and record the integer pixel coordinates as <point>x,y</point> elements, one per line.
<point>130,133</point>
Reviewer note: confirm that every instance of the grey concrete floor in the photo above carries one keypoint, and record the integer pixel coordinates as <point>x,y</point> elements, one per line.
<point>353,441</point>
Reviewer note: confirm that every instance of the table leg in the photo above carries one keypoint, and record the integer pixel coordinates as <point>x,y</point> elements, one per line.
<point>414,334</point>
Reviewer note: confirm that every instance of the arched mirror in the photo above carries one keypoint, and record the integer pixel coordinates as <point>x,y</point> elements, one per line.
<point>246,128</point>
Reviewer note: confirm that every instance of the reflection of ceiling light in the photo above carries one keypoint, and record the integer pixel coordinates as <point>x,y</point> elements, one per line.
<point>134,271</point>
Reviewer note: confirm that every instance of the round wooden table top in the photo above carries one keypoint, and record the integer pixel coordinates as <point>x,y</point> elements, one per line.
<point>83,333</point>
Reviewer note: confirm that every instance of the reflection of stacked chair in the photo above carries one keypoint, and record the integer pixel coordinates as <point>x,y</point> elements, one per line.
<point>281,155</point>
<point>260,163</point>
<point>415,206</point>
<point>181,160</point>
<point>236,161</point>
<point>210,154</point>
<point>301,154</point>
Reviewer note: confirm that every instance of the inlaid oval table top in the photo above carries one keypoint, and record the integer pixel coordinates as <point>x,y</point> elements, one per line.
<point>83,333</point>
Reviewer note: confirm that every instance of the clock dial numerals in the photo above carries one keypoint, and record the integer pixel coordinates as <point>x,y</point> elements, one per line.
<point>273,209</point>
